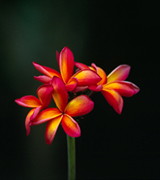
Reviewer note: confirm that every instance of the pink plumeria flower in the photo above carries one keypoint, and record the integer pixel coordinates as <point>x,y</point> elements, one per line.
<point>113,86</point>
<point>66,65</point>
<point>44,93</point>
<point>64,112</point>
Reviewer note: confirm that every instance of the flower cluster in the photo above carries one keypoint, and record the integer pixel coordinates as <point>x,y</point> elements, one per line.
<point>63,88</point>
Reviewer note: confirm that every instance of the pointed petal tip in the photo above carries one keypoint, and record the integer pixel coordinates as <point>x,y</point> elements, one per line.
<point>137,89</point>
<point>119,111</point>
<point>16,100</point>
<point>57,56</point>
<point>34,63</point>
<point>93,65</point>
<point>123,66</point>
<point>28,131</point>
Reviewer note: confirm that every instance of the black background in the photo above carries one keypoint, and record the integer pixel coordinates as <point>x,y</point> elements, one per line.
<point>111,146</point>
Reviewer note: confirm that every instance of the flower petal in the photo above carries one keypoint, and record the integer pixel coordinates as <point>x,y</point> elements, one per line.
<point>27,121</point>
<point>79,106</point>
<point>46,70</point>
<point>44,79</point>
<point>81,66</point>
<point>44,93</point>
<point>103,75</point>
<point>124,88</point>
<point>66,64</point>
<point>87,77</point>
<point>71,84</point>
<point>119,74</point>
<point>60,94</point>
<point>57,57</point>
<point>35,113</point>
<point>46,115</point>
<point>28,101</point>
<point>80,88</point>
<point>70,126</point>
<point>95,88</point>
<point>114,99</point>
<point>93,67</point>
<point>51,129</point>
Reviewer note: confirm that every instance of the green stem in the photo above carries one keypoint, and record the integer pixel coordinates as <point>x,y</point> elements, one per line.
<point>71,158</point>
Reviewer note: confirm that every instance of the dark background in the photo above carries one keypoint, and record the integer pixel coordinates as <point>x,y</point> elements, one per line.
<point>111,146</point>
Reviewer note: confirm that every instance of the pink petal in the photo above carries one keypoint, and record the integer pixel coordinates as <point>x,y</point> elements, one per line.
<point>87,77</point>
<point>81,66</point>
<point>51,129</point>
<point>80,88</point>
<point>70,126</point>
<point>94,67</point>
<point>124,88</point>
<point>57,57</point>
<point>79,106</point>
<point>119,74</point>
<point>71,84</point>
<point>60,94</point>
<point>46,115</point>
<point>28,101</point>
<point>114,99</point>
<point>44,79</point>
<point>35,113</point>
<point>95,88</point>
<point>27,121</point>
<point>46,70</point>
<point>44,93</point>
<point>66,64</point>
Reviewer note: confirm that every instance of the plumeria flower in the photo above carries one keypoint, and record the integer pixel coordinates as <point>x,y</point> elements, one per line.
<point>44,93</point>
<point>64,112</point>
<point>113,86</point>
<point>73,82</point>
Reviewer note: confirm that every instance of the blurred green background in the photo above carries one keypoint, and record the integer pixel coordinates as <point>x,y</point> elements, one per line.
<point>111,146</point>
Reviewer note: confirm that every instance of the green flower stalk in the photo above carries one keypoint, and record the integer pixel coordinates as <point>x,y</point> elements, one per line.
<point>71,158</point>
